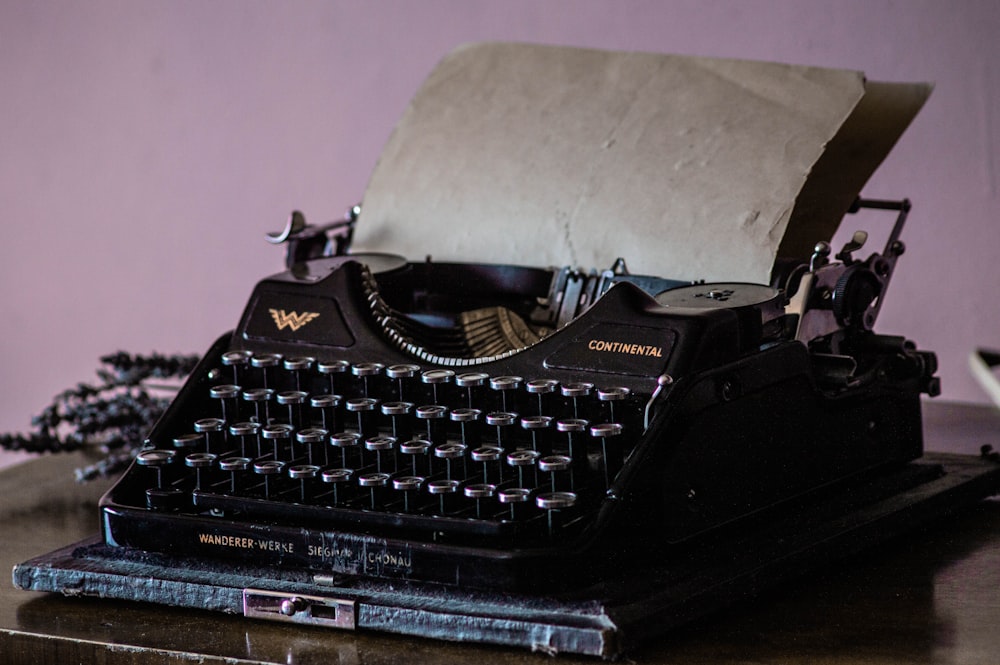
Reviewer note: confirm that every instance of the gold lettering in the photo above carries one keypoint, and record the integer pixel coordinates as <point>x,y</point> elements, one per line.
<point>292,320</point>
<point>225,541</point>
<point>624,347</point>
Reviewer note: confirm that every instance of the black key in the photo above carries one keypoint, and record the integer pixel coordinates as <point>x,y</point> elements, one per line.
<point>237,467</point>
<point>480,492</point>
<point>553,503</point>
<point>315,440</point>
<point>612,453</point>
<point>303,473</point>
<point>542,388</point>
<point>401,373</point>
<point>340,480</point>
<point>408,486</point>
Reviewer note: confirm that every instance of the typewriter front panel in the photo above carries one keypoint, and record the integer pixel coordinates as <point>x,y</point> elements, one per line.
<point>334,450</point>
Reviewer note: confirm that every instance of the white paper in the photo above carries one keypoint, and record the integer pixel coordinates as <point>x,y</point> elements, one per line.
<point>689,168</point>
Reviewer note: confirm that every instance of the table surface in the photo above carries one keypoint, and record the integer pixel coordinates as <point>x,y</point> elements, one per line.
<point>932,596</point>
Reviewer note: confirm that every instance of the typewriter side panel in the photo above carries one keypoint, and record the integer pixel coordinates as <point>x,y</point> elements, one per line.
<point>759,434</point>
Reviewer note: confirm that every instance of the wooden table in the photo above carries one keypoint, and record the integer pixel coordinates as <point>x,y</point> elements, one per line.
<point>932,596</point>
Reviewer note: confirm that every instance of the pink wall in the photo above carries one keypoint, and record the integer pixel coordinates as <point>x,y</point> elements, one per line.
<point>147,146</point>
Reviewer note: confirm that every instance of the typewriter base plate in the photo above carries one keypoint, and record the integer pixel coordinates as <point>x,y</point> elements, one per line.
<point>605,620</point>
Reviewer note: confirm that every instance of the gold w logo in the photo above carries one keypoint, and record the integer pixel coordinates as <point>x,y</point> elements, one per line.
<point>292,320</point>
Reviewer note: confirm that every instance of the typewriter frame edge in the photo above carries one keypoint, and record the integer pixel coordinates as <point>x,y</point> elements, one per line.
<point>607,622</point>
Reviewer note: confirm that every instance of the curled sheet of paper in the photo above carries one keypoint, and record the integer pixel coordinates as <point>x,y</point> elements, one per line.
<point>689,168</point>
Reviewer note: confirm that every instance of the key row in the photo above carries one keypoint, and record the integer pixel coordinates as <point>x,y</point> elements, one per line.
<point>369,416</point>
<point>572,438</point>
<point>409,382</point>
<point>367,488</point>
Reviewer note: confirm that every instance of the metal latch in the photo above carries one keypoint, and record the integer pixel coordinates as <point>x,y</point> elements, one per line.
<point>298,608</point>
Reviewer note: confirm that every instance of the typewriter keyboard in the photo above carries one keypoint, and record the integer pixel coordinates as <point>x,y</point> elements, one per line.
<point>437,454</point>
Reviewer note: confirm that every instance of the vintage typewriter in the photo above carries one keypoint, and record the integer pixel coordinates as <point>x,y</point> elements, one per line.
<point>514,428</point>
<point>565,459</point>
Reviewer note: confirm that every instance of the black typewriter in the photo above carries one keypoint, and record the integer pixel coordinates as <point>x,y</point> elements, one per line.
<point>513,428</point>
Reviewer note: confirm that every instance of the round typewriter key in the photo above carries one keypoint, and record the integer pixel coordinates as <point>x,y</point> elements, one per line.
<point>612,455</point>
<point>471,381</point>
<point>417,450</point>
<point>327,405</point>
<point>314,439</point>
<point>155,457</point>
<point>300,471</point>
<point>445,490</point>
<point>266,362</point>
<point>408,485</point>
<point>382,445</point>
<point>157,460</point>
<point>227,396</point>
<point>332,366</point>
<point>279,433</point>
<point>522,460</point>
<point>199,462</point>
<point>238,360</point>
<point>538,427</point>
<point>518,498</point>
<point>612,396</point>
<point>303,473</point>
<point>236,466</point>
<point>188,442</point>
<point>297,366</point>
<point>435,378</point>
<point>286,397</point>
<point>397,412</point>
<point>502,420</point>
<point>576,446</point>
<point>542,387</point>
<point>435,416</point>
<point>365,371</point>
<point>209,426</point>
<point>333,369</point>
<point>268,468</point>
<point>365,408</point>
<point>480,491</point>
<point>339,479</point>
<point>374,479</point>
<point>489,456</point>
<point>555,465</point>
<point>504,385</point>
<point>293,399</point>
<point>468,421</point>
<point>344,441</point>
<point>259,397</point>
<point>246,433</point>
<point>375,482</point>
<point>401,373</point>
<point>575,391</point>
<point>451,453</point>
<point>553,502</point>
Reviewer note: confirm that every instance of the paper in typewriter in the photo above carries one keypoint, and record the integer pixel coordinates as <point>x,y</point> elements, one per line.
<point>689,168</point>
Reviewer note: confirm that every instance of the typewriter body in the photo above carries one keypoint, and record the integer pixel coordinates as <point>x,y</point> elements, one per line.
<point>494,446</point>
<point>514,428</point>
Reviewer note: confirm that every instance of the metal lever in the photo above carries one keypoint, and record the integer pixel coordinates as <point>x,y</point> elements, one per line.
<point>851,246</point>
<point>298,608</point>
<point>307,242</point>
